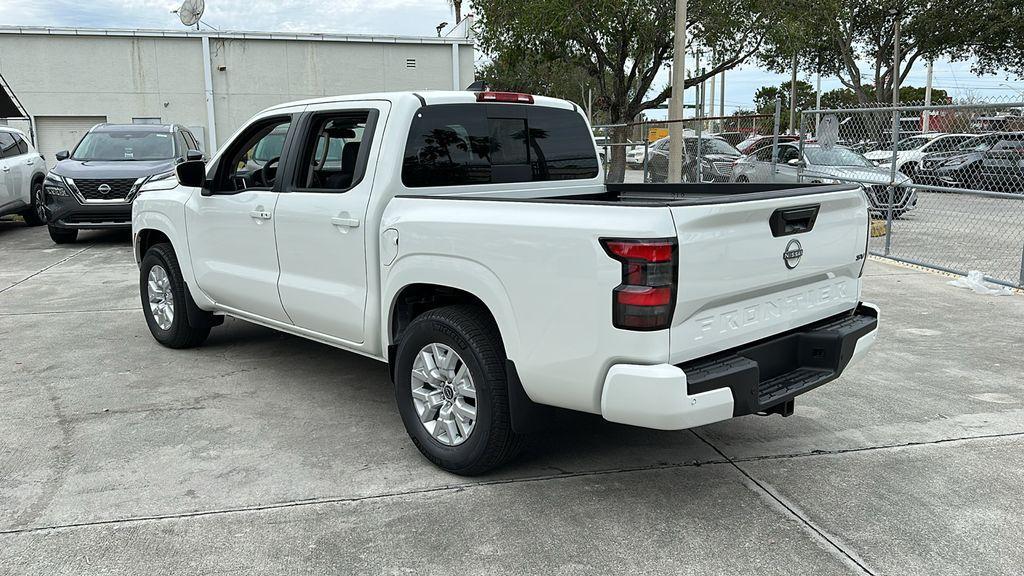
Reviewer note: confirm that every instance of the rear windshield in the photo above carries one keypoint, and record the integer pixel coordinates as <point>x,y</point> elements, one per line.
<point>119,145</point>
<point>459,144</point>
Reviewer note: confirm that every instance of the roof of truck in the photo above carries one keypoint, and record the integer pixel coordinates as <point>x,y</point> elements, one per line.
<point>429,97</point>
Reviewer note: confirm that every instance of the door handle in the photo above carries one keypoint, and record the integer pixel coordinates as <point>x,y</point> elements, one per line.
<point>5,168</point>
<point>28,162</point>
<point>345,222</point>
<point>260,214</point>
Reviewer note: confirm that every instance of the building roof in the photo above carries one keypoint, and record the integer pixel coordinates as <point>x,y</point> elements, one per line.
<point>233,35</point>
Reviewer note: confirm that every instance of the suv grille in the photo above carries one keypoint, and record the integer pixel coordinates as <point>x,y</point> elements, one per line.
<point>119,188</point>
<point>724,168</point>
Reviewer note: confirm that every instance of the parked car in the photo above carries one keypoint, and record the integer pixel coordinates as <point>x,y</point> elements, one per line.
<point>962,168</point>
<point>754,143</point>
<point>910,151</point>
<point>498,275</point>
<point>22,170</point>
<point>635,156</point>
<point>716,159</point>
<point>1002,170</point>
<point>94,186</point>
<point>606,145</point>
<point>820,165</point>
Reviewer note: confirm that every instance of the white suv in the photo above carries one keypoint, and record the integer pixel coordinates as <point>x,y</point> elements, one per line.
<point>22,171</point>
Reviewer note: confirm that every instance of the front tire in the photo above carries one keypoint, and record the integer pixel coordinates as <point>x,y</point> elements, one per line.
<point>36,213</point>
<point>452,392</point>
<point>166,302</point>
<point>63,235</point>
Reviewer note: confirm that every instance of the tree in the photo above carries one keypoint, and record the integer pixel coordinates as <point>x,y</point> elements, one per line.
<point>534,75</point>
<point>846,98</point>
<point>620,44</point>
<point>836,37</point>
<point>457,7</point>
<point>764,100</point>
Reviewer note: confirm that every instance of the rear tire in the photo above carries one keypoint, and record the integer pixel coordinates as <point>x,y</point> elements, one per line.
<point>63,235</point>
<point>471,334</point>
<point>36,213</point>
<point>166,301</point>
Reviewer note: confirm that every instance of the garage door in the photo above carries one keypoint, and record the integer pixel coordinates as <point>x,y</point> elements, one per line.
<point>56,133</point>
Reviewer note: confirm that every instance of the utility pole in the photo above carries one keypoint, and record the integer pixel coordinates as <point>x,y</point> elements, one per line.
<point>792,96</point>
<point>721,99</point>
<point>926,121</point>
<point>817,102</point>
<point>711,96</point>
<point>675,111</point>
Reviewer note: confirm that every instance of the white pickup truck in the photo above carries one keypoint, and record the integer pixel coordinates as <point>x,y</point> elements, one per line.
<point>468,240</point>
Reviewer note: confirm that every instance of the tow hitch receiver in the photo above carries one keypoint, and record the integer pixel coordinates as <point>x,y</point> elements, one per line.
<point>784,409</point>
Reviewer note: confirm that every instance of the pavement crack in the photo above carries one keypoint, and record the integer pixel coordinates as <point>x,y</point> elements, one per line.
<point>458,487</point>
<point>44,269</point>
<point>870,448</point>
<point>829,541</point>
<point>46,312</point>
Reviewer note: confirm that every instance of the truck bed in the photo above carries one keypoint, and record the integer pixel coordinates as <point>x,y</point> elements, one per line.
<point>653,195</point>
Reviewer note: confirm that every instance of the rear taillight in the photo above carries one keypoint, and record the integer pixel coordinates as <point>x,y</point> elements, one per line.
<point>504,97</point>
<point>647,296</point>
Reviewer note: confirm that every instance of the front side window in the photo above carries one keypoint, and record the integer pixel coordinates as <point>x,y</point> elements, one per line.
<point>332,152</point>
<point>461,144</point>
<point>125,145</point>
<point>253,159</point>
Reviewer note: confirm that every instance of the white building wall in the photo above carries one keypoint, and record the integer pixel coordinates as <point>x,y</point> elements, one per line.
<point>125,74</point>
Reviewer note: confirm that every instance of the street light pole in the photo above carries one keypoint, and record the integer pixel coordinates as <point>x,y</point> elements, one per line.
<point>675,110</point>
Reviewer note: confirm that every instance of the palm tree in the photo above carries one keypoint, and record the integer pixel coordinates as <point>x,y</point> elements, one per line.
<point>457,6</point>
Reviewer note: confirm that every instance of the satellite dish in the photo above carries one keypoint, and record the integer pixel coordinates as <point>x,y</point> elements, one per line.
<point>191,11</point>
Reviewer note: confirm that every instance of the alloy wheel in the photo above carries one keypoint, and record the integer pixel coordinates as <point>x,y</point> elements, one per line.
<point>443,394</point>
<point>161,298</point>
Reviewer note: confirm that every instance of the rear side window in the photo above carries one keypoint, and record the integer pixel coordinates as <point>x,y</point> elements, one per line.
<point>20,143</point>
<point>462,144</point>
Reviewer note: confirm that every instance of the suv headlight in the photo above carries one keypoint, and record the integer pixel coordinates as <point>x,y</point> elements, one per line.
<point>163,181</point>
<point>55,185</point>
<point>955,162</point>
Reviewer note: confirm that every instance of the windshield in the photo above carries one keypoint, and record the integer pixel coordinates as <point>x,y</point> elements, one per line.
<point>711,146</point>
<point>979,144</point>
<point>913,143</point>
<point>835,157</point>
<point>146,145</point>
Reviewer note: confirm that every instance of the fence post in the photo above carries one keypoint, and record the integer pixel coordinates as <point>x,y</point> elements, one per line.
<point>800,167</point>
<point>775,137</point>
<point>1021,283</point>
<point>647,146</point>
<point>699,150</point>
<point>892,180</point>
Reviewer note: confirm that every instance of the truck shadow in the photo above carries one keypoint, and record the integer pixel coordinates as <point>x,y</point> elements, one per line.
<point>571,442</point>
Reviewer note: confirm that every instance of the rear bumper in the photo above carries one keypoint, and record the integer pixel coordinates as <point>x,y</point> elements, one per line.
<point>750,379</point>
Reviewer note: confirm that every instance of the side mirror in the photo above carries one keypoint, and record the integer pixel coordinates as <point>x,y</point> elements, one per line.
<point>62,155</point>
<point>191,173</point>
<point>194,155</point>
<point>796,163</point>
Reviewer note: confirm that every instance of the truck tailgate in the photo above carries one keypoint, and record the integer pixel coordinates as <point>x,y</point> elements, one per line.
<point>752,269</point>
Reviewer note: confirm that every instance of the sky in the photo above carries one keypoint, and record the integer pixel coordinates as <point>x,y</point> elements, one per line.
<point>407,18</point>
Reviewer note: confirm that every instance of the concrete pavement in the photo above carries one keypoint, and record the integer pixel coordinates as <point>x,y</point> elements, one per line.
<point>264,453</point>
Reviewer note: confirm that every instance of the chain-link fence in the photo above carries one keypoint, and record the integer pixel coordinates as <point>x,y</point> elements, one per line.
<point>945,183</point>
<point>711,146</point>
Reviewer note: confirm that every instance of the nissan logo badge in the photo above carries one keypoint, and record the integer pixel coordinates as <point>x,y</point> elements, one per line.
<point>794,251</point>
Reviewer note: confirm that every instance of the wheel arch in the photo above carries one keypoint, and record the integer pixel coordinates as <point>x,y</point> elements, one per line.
<point>416,284</point>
